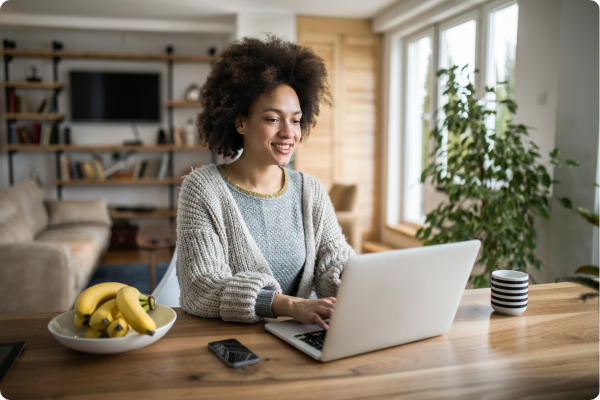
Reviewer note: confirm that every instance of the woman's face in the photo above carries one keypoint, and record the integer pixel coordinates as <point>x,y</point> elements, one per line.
<point>272,128</point>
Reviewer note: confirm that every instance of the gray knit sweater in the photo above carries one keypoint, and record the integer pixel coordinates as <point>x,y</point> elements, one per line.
<point>275,223</point>
<point>220,268</point>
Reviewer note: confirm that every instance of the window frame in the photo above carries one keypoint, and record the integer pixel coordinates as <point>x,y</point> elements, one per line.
<point>399,59</point>
<point>431,32</point>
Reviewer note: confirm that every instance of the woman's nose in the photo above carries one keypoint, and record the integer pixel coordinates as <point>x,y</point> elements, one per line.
<point>287,130</point>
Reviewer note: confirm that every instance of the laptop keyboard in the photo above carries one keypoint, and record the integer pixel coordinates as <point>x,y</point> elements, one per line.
<point>314,339</point>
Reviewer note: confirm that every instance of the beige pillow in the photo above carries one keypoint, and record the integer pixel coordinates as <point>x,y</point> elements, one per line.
<point>67,212</point>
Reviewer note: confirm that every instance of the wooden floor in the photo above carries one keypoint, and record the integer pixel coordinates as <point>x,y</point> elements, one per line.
<point>135,256</point>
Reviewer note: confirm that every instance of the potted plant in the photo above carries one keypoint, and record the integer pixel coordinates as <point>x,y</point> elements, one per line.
<point>495,182</point>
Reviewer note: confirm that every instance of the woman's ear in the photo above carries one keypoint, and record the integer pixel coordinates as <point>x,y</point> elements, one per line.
<point>239,125</point>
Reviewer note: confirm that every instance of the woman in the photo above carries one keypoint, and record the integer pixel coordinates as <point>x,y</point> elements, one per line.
<point>254,239</point>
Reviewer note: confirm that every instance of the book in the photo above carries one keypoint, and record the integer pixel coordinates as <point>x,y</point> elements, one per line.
<point>152,169</point>
<point>42,106</point>
<point>136,169</point>
<point>114,169</point>
<point>64,167</point>
<point>177,137</point>
<point>164,164</point>
<point>13,135</point>
<point>17,103</point>
<point>53,133</point>
<point>45,135</point>
<point>12,102</point>
<point>98,170</point>
<point>74,171</point>
<point>80,171</point>
<point>143,169</point>
<point>35,130</point>
<point>22,135</point>
<point>89,171</point>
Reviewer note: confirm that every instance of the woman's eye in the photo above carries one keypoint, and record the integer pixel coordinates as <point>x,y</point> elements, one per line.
<point>271,119</point>
<point>297,121</point>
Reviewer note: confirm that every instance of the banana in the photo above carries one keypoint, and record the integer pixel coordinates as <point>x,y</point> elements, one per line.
<point>118,328</point>
<point>128,301</point>
<point>81,322</point>
<point>104,315</point>
<point>88,300</point>
<point>91,333</point>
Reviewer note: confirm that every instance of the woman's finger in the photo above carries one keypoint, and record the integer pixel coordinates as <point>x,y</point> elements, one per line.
<point>320,322</point>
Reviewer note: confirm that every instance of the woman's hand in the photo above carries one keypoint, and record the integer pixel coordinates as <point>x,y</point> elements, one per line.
<point>302,310</point>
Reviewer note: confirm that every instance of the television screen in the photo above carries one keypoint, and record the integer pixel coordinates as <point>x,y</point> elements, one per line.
<point>115,96</point>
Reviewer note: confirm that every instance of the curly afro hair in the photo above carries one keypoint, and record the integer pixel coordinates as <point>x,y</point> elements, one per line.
<point>248,68</point>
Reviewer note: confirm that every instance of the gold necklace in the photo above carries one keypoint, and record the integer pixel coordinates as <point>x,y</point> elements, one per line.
<point>256,194</point>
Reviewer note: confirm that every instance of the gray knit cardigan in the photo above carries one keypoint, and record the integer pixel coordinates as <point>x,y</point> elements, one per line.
<point>220,268</point>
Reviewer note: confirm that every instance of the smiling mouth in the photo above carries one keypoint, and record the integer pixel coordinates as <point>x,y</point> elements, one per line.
<point>282,146</point>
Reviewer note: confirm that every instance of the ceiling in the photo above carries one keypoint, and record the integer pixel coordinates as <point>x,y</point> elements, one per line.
<point>194,9</point>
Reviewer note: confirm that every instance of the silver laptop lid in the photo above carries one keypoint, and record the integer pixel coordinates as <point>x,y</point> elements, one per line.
<point>397,297</point>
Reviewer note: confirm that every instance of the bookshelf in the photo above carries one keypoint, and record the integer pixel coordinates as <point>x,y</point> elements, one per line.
<point>54,117</point>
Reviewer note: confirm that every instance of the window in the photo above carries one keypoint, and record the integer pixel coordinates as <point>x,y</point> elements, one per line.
<point>416,127</point>
<point>458,41</point>
<point>500,65</point>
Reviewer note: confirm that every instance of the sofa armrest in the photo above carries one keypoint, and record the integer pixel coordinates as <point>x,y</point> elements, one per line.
<point>36,277</point>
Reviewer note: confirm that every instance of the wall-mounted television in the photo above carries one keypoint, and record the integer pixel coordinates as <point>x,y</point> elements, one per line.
<point>114,96</point>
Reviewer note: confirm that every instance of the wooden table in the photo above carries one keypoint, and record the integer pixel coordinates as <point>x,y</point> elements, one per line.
<point>550,351</point>
<point>153,238</point>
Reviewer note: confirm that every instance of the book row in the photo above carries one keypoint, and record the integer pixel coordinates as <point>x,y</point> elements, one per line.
<point>88,169</point>
<point>18,104</point>
<point>43,134</point>
<point>93,169</point>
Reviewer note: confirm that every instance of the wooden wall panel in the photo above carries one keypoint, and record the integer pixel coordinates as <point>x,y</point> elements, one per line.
<point>344,144</point>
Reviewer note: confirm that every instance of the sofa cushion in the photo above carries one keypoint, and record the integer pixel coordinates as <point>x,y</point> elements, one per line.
<point>15,230</point>
<point>27,198</point>
<point>67,212</point>
<point>87,242</point>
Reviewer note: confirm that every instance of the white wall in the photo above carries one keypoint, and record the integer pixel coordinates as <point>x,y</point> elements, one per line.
<point>256,25</point>
<point>536,90</point>
<point>557,93</point>
<point>97,133</point>
<point>577,128</point>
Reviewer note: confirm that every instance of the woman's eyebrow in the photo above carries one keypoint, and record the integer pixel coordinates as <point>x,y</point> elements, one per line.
<point>279,111</point>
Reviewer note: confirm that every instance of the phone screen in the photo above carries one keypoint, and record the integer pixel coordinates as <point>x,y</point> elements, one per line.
<point>233,353</point>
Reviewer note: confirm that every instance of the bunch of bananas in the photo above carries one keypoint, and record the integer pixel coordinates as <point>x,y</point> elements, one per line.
<point>111,309</point>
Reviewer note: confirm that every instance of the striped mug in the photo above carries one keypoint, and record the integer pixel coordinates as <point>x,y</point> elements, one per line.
<point>509,291</point>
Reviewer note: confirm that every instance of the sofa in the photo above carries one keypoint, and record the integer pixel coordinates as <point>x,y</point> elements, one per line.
<point>48,249</point>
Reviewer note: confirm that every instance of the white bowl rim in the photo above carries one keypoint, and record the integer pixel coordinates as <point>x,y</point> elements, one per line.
<point>54,332</point>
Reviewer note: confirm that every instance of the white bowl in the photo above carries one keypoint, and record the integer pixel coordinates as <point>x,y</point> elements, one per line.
<point>64,330</point>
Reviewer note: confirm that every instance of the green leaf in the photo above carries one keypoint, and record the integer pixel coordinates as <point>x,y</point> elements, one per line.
<point>554,153</point>
<point>572,163</point>
<point>546,180</point>
<point>591,283</point>
<point>566,202</point>
<point>555,162</point>
<point>588,216</point>
<point>588,269</point>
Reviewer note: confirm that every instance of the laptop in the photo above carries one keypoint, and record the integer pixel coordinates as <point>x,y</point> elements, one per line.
<point>387,299</point>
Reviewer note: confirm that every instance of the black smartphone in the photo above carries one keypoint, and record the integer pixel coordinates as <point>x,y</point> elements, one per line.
<point>233,353</point>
